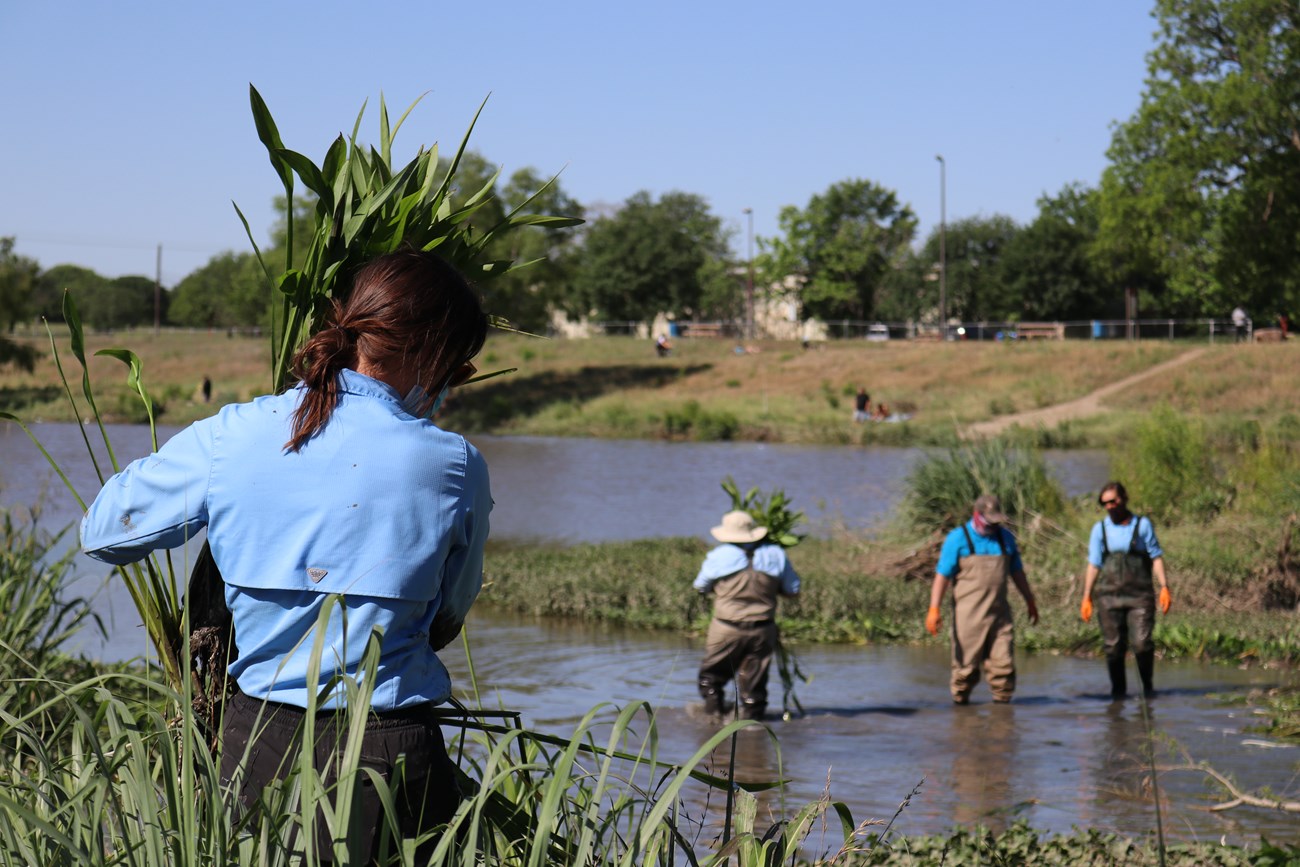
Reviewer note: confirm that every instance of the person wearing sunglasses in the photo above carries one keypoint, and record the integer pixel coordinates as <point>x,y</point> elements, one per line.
<point>1125,565</point>
<point>337,514</point>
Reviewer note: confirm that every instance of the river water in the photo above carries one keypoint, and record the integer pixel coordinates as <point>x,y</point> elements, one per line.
<point>879,721</point>
<point>545,488</point>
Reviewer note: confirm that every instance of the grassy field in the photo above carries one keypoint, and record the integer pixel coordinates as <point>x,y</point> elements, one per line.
<point>174,364</point>
<point>616,387</point>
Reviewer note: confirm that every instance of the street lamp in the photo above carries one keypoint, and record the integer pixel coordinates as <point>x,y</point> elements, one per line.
<point>943,253</point>
<point>749,282</point>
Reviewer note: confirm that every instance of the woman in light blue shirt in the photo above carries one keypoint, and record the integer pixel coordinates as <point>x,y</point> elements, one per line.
<point>1125,565</point>
<point>339,488</point>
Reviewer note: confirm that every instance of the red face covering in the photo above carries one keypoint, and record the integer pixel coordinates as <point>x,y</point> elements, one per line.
<point>983,527</point>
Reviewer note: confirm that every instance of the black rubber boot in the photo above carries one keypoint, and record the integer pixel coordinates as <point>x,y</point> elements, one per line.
<point>1146,662</point>
<point>714,702</point>
<point>1118,680</point>
<point>752,710</point>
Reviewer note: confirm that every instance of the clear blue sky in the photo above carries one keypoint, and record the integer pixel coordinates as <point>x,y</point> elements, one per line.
<point>127,124</point>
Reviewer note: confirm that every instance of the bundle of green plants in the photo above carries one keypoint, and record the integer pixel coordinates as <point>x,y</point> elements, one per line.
<point>771,510</point>
<point>365,207</point>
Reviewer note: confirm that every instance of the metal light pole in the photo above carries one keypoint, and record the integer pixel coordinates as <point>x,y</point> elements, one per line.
<point>943,252</point>
<point>749,282</point>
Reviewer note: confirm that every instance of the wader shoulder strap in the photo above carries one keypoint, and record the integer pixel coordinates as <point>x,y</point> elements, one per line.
<point>1002,544</point>
<point>1105,545</point>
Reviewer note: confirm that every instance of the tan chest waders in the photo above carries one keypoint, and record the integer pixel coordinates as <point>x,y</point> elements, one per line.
<point>983,636</point>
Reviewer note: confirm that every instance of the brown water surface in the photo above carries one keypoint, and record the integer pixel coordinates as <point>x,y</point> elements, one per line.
<point>879,722</point>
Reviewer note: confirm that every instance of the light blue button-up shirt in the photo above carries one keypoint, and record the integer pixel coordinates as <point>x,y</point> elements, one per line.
<point>386,510</point>
<point>729,559</point>
<point>1118,537</point>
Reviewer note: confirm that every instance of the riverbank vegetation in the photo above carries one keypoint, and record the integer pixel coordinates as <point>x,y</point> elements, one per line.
<point>1225,513</point>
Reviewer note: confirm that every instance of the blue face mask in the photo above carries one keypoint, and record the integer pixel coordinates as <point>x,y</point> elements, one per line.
<point>417,397</point>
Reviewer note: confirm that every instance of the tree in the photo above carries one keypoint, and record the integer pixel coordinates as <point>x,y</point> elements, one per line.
<point>527,294</point>
<point>976,282</point>
<point>47,300</point>
<point>651,257</point>
<point>841,245</point>
<point>18,275</point>
<point>229,291</point>
<point>1201,204</point>
<point>1049,268</point>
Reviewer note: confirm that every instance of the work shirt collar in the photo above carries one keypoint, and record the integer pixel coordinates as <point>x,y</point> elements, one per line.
<point>358,383</point>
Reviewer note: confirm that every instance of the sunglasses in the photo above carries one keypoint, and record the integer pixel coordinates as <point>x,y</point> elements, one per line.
<point>463,374</point>
<point>1106,504</point>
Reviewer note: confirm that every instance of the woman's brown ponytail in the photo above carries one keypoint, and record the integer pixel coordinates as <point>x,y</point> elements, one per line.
<point>317,366</point>
<point>409,310</point>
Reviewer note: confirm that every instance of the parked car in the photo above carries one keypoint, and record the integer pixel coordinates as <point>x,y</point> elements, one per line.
<point>877,332</point>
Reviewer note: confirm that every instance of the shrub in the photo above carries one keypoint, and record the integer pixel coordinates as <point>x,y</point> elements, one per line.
<point>1168,468</point>
<point>695,422</point>
<point>942,487</point>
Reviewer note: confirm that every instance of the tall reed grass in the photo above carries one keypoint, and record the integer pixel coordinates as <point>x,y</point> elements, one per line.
<point>941,488</point>
<point>100,771</point>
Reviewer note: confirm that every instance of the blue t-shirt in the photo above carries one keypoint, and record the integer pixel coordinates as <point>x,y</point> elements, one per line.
<point>955,546</point>
<point>1118,537</point>
<point>382,508</point>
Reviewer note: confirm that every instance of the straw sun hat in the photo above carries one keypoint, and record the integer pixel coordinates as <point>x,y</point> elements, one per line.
<point>738,528</point>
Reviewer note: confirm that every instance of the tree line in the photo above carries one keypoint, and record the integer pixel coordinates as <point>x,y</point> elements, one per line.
<point>1198,210</point>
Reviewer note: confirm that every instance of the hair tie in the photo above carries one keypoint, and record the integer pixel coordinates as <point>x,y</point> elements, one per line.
<point>350,334</point>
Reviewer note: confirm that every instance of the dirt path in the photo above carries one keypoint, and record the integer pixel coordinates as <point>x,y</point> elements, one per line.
<point>1089,404</point>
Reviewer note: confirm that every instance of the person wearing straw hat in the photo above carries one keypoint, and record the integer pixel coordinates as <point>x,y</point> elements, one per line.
<point>745,576</point>
<point>978,558</point>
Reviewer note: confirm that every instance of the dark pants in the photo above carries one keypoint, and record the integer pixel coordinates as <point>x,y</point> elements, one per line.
<point>1124,626</point>
<point>743,652</point>
<point>260,743</point>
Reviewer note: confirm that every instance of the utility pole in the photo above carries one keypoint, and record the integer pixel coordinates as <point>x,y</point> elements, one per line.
<point>943,252</point>
<point>749,282</point>
<point>157,293</point>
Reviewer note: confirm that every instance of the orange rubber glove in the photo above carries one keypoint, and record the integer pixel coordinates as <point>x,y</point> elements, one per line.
<point>1166,599</point>
<point>932,620</point>
<point>1085,610</point>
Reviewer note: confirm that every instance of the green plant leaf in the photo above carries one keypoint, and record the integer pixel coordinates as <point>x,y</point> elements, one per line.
<point>311,176</point>
<point>76,334</point>
<point>544,220</point>
<point>134,380</point>
<point>269,135</point>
